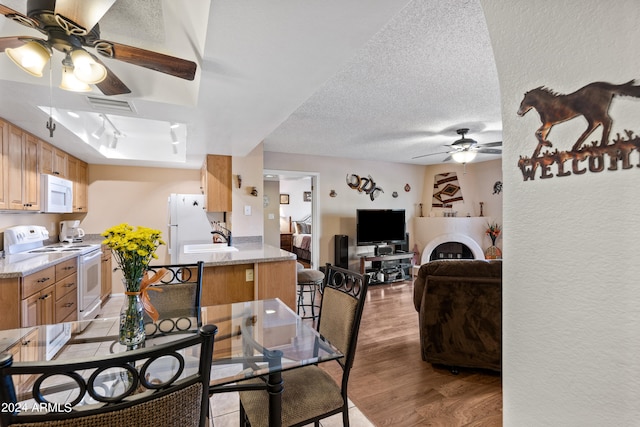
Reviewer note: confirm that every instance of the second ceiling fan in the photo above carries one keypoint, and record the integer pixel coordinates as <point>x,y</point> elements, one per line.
<point>465,149</point>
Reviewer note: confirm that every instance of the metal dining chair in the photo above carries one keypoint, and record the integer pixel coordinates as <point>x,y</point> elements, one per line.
<point>146,394</point>
<point>310,393</point>
<point>178,304</point>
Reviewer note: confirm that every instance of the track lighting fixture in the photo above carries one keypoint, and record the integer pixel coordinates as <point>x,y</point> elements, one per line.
<point>97,134</point>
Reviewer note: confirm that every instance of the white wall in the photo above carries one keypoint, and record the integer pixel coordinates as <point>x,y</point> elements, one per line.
<point>272,213</point>
<point>570,294</point>
<point>338,213</point>
<point>249,168</point>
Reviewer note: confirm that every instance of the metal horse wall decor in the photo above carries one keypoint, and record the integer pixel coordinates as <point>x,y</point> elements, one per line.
<point>592,102</point>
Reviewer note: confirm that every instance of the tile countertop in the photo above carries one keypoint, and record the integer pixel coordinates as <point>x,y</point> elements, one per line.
<point>247,253</point>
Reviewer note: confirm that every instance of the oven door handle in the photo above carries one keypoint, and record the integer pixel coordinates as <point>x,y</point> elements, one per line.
<point>90,256</point>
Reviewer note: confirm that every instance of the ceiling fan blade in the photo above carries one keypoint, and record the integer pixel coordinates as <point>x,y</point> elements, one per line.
<point>13,42</point>
<point>145,58</point>
<point>489,151</point>
<point>18,17</point>
<point>430,154</point>
<point>447,159</point>
<point>111,85</point>
<point>492,144</point>
<point>80,16</point>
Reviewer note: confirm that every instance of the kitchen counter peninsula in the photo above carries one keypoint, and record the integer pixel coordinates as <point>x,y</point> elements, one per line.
<point>254,272</point>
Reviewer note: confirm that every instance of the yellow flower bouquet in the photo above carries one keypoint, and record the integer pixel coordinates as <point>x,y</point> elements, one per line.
<point>133,250</point>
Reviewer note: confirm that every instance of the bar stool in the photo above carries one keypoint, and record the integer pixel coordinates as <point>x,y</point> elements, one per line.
<point>309,281</point>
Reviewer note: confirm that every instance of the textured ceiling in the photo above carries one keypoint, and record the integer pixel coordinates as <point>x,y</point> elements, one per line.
<point>381,79</point>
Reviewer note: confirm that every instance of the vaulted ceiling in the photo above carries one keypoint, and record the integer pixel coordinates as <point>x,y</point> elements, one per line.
<point>380,79</point>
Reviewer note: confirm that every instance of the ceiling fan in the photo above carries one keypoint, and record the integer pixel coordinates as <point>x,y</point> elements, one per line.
<point>70,27</point>
<point>465,149</point>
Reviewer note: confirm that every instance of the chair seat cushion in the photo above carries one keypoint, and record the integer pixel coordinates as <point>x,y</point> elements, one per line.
<point>308,275</point>
<point>308,392</point>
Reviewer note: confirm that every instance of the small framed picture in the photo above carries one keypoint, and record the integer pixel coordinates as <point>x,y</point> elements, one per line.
<point>306,196</point>
<point>284,199</point>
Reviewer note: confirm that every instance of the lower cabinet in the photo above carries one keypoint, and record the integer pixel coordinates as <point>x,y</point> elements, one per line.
<point>24,350</point>
<point>39,308</point>
<point>45,297</point>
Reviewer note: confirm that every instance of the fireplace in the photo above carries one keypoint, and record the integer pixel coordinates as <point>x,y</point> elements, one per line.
<point>451,250</point>
<point>451,236</point>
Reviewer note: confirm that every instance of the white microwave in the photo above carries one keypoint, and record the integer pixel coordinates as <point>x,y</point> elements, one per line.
<point>57,194</point>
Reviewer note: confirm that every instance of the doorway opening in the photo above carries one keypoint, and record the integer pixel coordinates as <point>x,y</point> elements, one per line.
<point>290,220</point>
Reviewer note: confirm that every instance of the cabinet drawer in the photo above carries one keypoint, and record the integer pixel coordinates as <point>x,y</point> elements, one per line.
<point>65,306</point>
<point>66,285</point>
<point>37,281</point>
<point>66,268</point>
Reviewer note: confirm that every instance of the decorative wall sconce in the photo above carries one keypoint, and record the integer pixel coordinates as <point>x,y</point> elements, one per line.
<point>239,180</point>
<point>254,191</point>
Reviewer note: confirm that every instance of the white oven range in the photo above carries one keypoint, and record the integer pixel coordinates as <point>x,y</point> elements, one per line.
<point>25,241</point>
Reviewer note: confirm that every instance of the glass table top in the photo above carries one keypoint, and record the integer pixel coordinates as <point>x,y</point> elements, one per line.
<point>254,338</point>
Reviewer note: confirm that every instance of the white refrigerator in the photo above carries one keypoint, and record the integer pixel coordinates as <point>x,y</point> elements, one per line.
<point>188,223</point>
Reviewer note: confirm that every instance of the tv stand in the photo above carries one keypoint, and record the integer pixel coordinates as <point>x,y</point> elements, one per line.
<point>392,266</point>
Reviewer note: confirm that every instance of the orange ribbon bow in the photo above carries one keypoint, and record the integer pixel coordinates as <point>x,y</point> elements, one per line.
<point>145,287</point>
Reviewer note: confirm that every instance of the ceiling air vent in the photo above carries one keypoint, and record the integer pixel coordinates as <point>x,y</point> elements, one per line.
<point>106,104</point>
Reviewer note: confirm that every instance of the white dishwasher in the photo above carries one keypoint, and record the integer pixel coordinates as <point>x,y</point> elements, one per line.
<point>89,283</point>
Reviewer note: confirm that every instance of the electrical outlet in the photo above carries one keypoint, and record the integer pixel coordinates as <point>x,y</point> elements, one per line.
<point>248,273</point>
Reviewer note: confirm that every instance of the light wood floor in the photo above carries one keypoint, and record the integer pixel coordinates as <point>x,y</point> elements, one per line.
<point>391,384</point>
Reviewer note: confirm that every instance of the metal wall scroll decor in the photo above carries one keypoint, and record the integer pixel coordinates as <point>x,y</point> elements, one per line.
<point>364,185</point>
<point>592,102</point>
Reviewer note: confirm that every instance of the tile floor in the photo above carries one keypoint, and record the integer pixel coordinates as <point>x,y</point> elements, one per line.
<point>225,406</point>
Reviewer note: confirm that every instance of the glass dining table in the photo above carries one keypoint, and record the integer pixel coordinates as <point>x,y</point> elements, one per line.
<point>255,339</point>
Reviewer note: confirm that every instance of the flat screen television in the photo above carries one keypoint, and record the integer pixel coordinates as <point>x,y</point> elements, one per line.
<point>377,226</point>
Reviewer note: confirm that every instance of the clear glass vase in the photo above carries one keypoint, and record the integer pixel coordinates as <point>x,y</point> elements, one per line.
<point>132,321</point>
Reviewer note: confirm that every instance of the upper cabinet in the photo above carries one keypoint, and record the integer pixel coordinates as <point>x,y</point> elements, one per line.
<point>78,170</point>
<point>53,161</point>
<point>4,165</point>
<point>215,177</point>
<point>24,159</point>
<point>23,173</point>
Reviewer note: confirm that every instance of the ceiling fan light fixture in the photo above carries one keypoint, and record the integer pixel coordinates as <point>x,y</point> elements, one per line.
<point>464,156</point>
<point>71,83</point>
<point>30,57</point>
<point>86,69</point>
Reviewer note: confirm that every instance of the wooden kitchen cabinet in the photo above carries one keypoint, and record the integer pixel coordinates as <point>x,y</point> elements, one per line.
<point>23,170</point>
<point>78,173</point>
<point>52,160</point>
<point>215,177</point>
<point>39,308</point>
<point>26,349</point>
<point>4,165</point>
<point>105,274</point>
<point>66,308</point>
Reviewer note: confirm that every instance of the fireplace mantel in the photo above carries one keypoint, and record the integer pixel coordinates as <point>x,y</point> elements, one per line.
<point>431,231</point>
